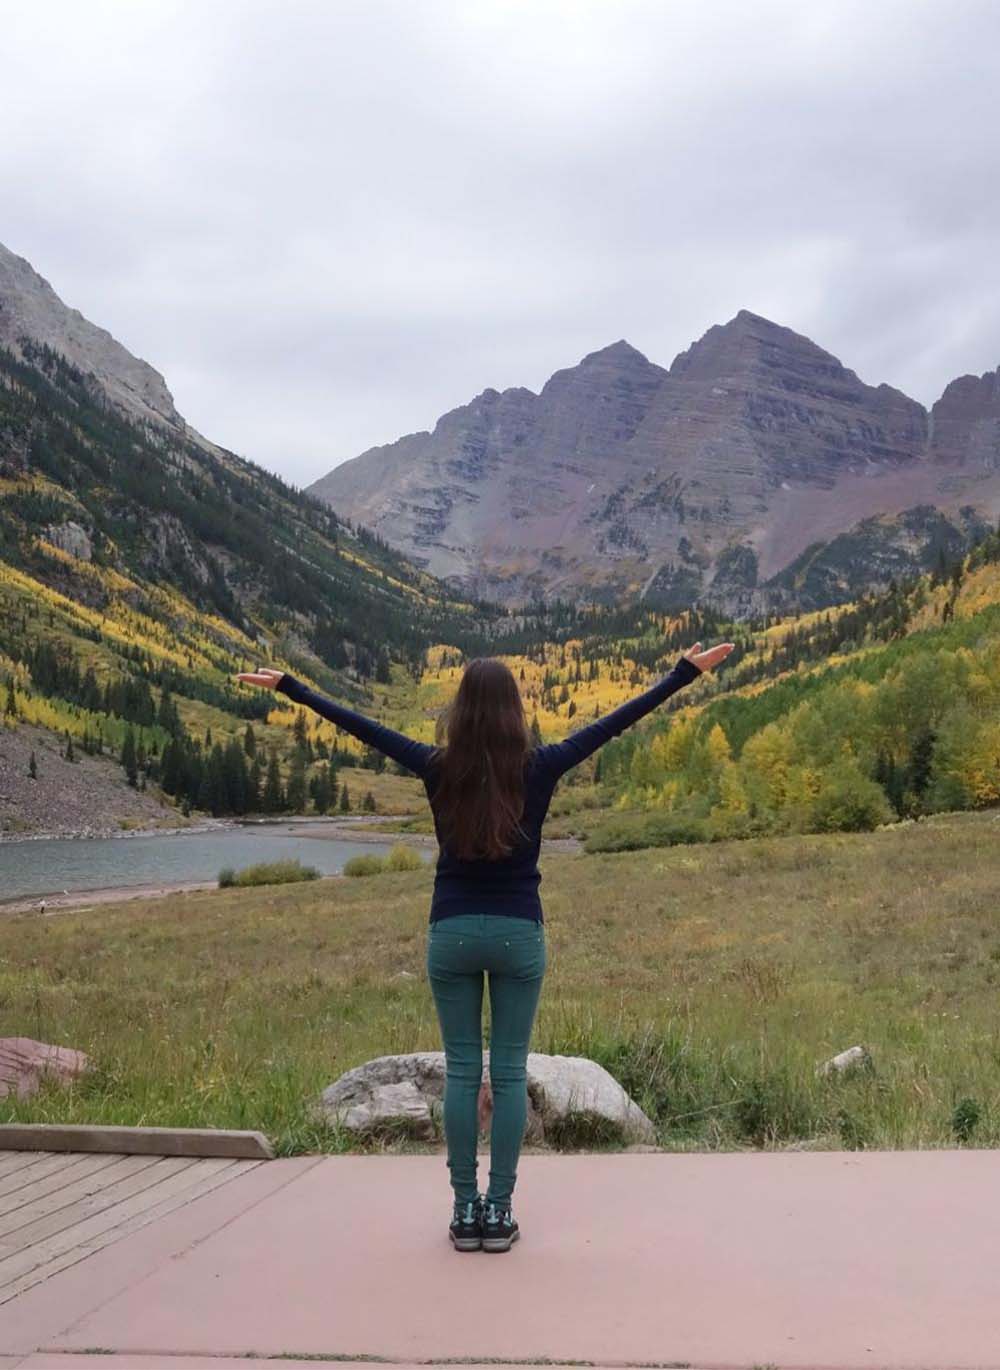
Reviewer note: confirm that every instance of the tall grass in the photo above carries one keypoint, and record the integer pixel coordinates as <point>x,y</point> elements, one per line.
<point>710,980</point>
<point>267,873</point>
<point>398,858</point>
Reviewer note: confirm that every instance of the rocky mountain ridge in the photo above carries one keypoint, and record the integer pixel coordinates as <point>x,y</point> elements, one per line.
<point>709,478</point>
<point>31,311</point>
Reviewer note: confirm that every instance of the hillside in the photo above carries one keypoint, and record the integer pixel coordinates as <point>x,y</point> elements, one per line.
<point>883,711</point>
<point>757,472</point>
<point>141,565</point>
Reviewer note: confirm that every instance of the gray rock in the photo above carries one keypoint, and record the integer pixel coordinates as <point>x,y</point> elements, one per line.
<point>405,1094</point>
<point>854,1058</point>
<point>392,1108</point>
<point>72,538</point>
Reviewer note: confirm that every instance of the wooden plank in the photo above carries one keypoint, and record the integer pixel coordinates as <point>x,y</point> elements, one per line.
<point>20,1160</point>
<point>38,1177</point>
<point>125,1187</point>
<point>204,1184</point>
<point>54,1244</point>
<point>36,1185</point>
<point>135,1141</point>
<point>11,1160</point>
<point>96,1174</point>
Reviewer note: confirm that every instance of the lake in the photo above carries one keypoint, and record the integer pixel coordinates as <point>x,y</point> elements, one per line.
<point>52,865</point>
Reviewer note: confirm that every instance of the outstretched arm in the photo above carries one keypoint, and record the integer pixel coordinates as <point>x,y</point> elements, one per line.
<point>562,756</point>
<point>409,753</point>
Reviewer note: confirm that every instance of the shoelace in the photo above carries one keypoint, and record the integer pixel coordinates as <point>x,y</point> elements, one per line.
<point>490,1213</point>
<point>468,1217</point>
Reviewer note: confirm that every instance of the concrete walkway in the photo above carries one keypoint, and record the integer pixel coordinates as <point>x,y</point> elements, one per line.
<point>832,1260</point>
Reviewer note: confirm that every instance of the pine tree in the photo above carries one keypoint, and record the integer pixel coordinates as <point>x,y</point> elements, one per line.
<point>33,767</point>
<point>319,788</point>
<point>345,801</point>
<point>295,795</point>
<point>255,782</point>
<point>299,729</point>
<point>250,742</point>
<point>237,781</point>
<point>10,707</point>
<point>921,761</point>
<point>69,753</point>
<point>536,732</point>
<point>368,803</point>
<point>128,758</point>
<point>273,799</point>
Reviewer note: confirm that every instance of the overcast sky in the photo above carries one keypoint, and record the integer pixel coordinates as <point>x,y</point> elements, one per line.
<point>328,221</point>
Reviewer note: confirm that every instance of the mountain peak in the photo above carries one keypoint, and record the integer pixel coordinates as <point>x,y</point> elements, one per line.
<point>618,352</point>
<point>32,312</point>
<point>747,342</point>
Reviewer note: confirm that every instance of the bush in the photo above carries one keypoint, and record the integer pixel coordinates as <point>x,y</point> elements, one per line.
<point>267,873</point>
<point>630,832</point>
<point>403,858</point>
<point>965,1119</point>
<point>364,865</point>
<point>849,802</point>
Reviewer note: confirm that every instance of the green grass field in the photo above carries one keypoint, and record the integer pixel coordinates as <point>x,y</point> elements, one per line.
<point>709,979</point>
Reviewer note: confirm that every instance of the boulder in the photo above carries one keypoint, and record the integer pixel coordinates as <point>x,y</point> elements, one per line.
<point>73,538</point>
<point>854,1058</point>
<point>567,1095</point>
<point>24,1062</point>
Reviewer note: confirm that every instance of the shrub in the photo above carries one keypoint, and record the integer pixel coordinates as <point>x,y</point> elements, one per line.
<point>965,1119</point>
<point>849,802</point>
<point>364,865</point>
<point>630,832</point>
<point>267,873</point>
<point>403,858</point>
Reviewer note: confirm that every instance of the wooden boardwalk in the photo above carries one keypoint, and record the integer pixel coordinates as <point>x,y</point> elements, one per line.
<point>58,1207</point>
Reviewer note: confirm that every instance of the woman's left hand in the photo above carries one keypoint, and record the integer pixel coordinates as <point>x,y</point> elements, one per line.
<point>707,661</point>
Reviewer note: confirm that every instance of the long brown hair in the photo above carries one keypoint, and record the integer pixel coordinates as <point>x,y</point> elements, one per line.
<point>479,791</point>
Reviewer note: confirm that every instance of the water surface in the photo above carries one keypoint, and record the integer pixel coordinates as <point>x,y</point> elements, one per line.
<point>54,865</point>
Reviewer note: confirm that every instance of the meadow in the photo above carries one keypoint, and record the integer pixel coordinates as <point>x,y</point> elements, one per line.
<point>710,979</point>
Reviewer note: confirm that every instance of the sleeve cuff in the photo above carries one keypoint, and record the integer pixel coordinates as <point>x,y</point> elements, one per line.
<point>288,685</point>
<point>688,668</point>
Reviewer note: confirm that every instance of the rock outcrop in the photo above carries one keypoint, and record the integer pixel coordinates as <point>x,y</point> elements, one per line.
<point>25,1063</point>
<point>32,316</point>
<point>701,481</point>
<point>965,424</point>
<point>567,1095</point>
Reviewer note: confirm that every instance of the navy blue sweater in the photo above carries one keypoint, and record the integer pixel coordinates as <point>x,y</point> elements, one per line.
<point>508,886</point>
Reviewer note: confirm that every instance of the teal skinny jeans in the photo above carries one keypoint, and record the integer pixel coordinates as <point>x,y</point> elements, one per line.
<point>511,951</point>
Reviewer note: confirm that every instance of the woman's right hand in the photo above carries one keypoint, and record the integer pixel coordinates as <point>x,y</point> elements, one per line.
<point>266,678</point>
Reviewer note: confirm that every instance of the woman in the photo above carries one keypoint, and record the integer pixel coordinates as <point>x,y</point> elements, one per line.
<point>489,791</point>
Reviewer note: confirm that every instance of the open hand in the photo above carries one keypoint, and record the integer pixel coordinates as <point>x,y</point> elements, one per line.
<point>265,677</point>
<point>707,661</point>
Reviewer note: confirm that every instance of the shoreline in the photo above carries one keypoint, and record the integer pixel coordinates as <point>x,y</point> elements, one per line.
<point>334,825</point>
<point>111,894</point>
<point>68,901</point>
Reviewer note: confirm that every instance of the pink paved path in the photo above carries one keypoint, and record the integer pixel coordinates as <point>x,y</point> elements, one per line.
<point>830,1260</point>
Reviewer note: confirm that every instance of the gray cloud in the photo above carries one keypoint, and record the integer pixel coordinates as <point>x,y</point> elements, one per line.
<point>326,223</point>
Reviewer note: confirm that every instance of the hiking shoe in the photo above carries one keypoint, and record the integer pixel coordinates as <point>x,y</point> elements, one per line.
<point>466,1230</point>
<point>500,1231</point>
